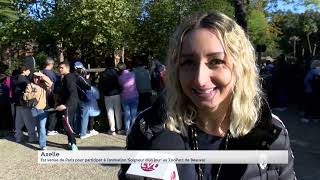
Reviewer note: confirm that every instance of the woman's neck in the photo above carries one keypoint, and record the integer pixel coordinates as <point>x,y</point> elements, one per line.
<point>214,122</point>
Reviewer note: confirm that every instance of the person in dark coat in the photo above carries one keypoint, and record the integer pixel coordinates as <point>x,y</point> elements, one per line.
<point>52,119</point>
<point>111,89</point>
<point>6,122</point>
<point>23,115</point>
<point>68,104</point>
<point>212,101</point>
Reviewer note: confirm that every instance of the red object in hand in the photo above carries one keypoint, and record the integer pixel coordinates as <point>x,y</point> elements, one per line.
<point>173,175</point>
<point>149,166</point>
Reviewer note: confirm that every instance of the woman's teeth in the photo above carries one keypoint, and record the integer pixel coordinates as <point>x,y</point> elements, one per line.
<point>203,91</point>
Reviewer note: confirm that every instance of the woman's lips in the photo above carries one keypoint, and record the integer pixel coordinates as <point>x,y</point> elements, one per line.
<point>207,93</point>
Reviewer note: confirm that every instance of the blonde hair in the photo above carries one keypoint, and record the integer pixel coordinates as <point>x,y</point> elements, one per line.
<point>246,98</point>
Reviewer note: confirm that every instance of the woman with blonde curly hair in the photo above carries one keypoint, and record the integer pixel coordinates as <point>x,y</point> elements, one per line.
<point>213,101</point>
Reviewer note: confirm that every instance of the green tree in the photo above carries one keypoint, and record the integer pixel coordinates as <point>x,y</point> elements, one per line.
<point>7,11</point>
<point>309,27</point>
<point>304,26</point>
<point>159,19</point>
<point>82,25</point>
<point>260,30</point>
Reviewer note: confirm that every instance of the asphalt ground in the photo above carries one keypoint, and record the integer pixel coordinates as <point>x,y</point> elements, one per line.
<point>305,144</point>
<point>19,160</point>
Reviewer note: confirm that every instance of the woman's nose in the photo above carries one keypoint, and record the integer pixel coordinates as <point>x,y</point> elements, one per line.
<point>202,75</point>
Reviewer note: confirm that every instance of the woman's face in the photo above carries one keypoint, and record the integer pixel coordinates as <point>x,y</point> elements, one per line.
<point>205,73</point>
<point>36,79</point>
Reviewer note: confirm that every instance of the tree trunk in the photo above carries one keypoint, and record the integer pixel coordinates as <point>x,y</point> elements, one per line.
<point>60,52</point>
<point>314,49</point>
<point>294,48</point>
<point>240,14</point>
<point>309,45</point>
<point>122,55</point>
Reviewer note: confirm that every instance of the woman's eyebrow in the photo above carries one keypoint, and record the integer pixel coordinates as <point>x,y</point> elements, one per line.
<point>215,54</point>
<point>209,54</point>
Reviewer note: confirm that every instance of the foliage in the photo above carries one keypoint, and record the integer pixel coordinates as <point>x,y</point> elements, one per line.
<point>7,11</point>
<point>98,22</point>
<point>77,25</point>
<point>260,30</point>
<point>40,59</point>
<point>15,62</point>
<point>160,18</point>
<point>300,25</point>
<point>97,27</point>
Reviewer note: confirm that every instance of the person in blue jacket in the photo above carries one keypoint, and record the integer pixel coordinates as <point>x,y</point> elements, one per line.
<point>311,91</point>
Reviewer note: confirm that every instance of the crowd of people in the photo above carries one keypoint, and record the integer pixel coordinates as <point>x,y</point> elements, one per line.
<point>48,102</point>
<point>296,82</point>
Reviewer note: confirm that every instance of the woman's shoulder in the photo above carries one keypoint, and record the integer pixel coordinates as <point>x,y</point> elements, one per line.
<point>149,125</point>
<point>167,140</point>
<point>149,133</point>
<point>145,127</point>
<point>282,141</point>
<point>268,133</point>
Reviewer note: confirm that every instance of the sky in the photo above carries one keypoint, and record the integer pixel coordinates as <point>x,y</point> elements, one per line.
<point>296,7</point>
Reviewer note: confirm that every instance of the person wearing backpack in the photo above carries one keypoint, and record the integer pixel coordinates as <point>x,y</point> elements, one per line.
<point>38,90</point>
<point>23,114</point>
<point>309,90</point>
<point>84,87</point>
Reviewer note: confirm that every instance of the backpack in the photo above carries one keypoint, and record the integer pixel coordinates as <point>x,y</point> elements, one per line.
<point>82,87</point>
<point>82,94</point>
<point>30,103</point>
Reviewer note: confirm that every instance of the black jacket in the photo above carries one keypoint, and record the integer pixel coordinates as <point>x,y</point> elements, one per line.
<point>269,134</point>
<point>108,82</point>
<point>70,96</point>
<point>20,83</point>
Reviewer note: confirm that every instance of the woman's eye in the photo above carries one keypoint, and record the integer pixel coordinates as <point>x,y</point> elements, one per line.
<point>187,65</point>
<point>215,62</point>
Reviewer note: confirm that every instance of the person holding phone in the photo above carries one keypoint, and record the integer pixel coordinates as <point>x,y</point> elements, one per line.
<point>38,90</point>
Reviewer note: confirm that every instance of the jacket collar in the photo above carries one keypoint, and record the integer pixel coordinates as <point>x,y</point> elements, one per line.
<point>261,136</point>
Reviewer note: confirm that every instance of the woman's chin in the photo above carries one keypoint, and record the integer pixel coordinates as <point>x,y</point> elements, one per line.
<point>206,106</point>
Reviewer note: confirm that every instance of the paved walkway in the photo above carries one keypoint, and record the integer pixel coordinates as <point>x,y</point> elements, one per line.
<point>305,143</point>
<point>19,161</point>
